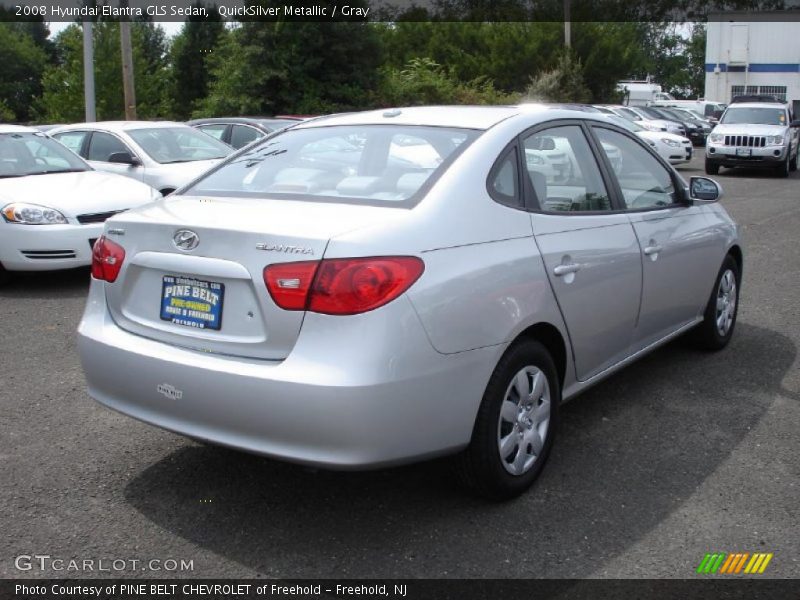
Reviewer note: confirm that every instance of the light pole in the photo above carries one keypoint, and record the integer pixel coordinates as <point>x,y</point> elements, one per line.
<point>567,28</point>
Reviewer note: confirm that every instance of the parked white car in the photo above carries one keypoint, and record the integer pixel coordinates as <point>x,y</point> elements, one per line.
<point>53,204</point>
<point>675,149</point>
<point>162,154</point>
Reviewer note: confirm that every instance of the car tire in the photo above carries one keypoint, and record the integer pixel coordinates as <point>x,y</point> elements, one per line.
<point>5,276</point>
<point>793,163</point>
<point>784,168</point>
<point>712,168</point>
<point>513,431</point>
<point>716,329</point>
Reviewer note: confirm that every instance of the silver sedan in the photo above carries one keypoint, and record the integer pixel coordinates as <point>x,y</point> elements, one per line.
<point>328,297</point>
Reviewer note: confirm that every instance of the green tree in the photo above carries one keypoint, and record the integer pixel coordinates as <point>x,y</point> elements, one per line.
<point>21,67</point>
<point>292,67</point>
<point>423,81</point>
<point>62,100</point>
<point>564,83</point>
<point>189,61</point>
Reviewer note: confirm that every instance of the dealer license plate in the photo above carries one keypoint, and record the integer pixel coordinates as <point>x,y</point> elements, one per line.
<point>192,302</point>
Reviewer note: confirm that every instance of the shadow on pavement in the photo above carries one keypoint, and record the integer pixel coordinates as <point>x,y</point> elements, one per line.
<point>70,283</point>
<point>630,451</point>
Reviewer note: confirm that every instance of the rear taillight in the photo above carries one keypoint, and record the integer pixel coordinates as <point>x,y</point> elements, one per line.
<point>341,286</point>
<point>107,259</point>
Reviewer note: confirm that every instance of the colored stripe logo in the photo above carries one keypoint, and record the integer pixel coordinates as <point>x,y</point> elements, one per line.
<point>734,563</point>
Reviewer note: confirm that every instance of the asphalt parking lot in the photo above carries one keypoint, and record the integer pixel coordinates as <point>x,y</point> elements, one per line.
<point>682,454</point>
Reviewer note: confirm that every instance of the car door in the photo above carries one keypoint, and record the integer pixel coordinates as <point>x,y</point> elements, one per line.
<point>588,246</point>
<point>102,145</point>
<point>677,249</point>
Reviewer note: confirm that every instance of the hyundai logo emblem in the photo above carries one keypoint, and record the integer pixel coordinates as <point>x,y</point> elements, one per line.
<point>185,239</point>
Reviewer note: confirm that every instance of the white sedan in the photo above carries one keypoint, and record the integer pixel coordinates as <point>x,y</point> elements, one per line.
<point>162,154</point>
<point>675,149</point>
<point>53,204</point>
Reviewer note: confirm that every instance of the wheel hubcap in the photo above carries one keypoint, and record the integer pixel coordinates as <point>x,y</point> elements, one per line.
<point>726,302</point>
<point>524,420</point>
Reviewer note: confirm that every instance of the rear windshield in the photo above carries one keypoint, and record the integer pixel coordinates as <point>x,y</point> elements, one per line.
<point>370,164</point>
<point>754,116</point>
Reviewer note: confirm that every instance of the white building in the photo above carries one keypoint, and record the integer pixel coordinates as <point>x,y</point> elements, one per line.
<point>752,58</point>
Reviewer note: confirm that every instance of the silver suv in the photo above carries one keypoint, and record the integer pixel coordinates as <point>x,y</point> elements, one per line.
<point>754,134</point>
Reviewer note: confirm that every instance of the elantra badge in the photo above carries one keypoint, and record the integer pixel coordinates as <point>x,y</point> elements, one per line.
<point>185,239</point>
<point>170,391</point>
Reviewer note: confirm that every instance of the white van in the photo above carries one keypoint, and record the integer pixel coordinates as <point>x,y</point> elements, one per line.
<point>641,93</point>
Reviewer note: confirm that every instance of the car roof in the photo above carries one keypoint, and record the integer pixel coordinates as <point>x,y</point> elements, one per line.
<point>119,125</point>
<point>241,120</point>
<point>7,128</point>
<point>758,105</point>
<point>466,117</point>
<point>462,117</point>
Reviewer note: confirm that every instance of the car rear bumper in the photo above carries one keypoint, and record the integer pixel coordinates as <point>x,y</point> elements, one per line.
<point>347,396</point>
<point>47,247</point>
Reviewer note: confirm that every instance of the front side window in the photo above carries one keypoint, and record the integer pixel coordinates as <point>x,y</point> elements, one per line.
<point>644,181</point>
<point>103,145</point>
<point>23,154</point>
<point>563,171</point>
<point>365,163</point>
<point>178,144</point>
<point>754,115</point>
<point>241,135</point>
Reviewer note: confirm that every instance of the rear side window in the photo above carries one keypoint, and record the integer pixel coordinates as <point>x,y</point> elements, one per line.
<point>563,171</point>
<point>504,179</point>
<point>361,163</point>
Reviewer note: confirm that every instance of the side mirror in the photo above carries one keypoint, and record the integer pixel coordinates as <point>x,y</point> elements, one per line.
<point>794,124</point>
<point>703,189</point>
<point>124,158</point>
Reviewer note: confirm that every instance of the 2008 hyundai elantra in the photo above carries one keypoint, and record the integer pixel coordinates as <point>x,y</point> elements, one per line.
<point>381,287</point>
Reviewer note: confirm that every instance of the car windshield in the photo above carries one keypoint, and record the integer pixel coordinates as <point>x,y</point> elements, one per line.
<point>754,115</point>
<point>178,144</point>
<point>23,154</point>
<point>371,164</point>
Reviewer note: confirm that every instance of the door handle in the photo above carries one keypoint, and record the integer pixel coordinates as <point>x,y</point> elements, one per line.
<point>566,269</point>
<point>655,249</point>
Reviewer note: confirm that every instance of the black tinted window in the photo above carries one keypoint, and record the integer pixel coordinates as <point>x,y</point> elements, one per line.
<point>241,135</point>
<point>103,145</point>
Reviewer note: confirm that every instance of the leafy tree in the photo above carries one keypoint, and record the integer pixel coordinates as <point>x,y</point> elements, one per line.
<point>564,83</point>
<point>21,67</point>
<point>292,67</point>
<point>189,56</point>
<point>63,100</point>
<point>423,81</point>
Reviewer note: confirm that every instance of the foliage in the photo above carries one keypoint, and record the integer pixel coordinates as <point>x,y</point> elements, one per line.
<point>21,68</point>
<point>62,100</point>
<point>423,81</point>
<point>293,67</point>
<point>564,83</point>
<point>189,61</point>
